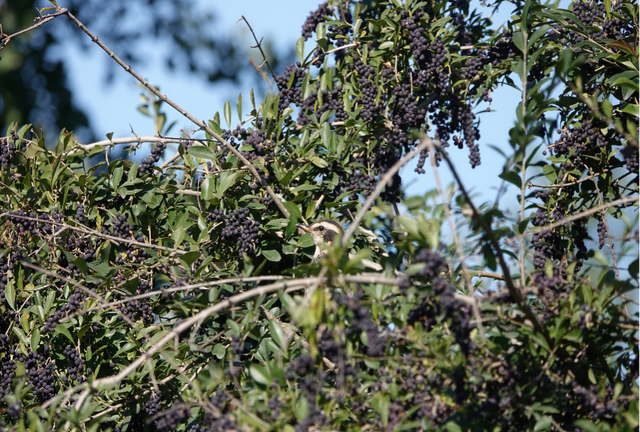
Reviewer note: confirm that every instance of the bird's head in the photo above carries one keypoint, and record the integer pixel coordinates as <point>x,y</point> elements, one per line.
<point>324,232</point>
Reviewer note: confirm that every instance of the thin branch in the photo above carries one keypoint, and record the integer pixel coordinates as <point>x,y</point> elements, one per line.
<point>130,140</point>
<point>114,380</point>
<point>4,38</point>
<point>259,46</point>
<point>568,184</point>
<point>117,240</point>
<point>480,274</point>
<point>202,125</point>
<point>290,285</point>
<point>621,201</point>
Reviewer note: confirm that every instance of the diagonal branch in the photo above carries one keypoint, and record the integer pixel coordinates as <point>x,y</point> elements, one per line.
<point>384,181</point>
<point>277,200</point>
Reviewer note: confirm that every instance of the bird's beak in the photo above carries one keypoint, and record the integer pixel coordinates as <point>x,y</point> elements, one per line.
<point>304,228</point>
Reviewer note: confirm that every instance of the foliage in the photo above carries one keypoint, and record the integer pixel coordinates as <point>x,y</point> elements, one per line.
<point>178,296</point>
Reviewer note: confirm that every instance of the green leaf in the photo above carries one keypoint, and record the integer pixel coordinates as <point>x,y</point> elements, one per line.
<point>239,107</point>
<point>293,209</point>
<point>225,181</point>
<point>260,374</point>
<point>452,427</point>
<point>219,351</point>
<point>35,339</point>
<point>10,294</point>
<point>543,423</point>
<point>410,225</point>
<point>178,235</point>
<point>512,177</point>
<point>227,114</point>
<point>62,329</point>
<point>191,257</point>
<point>550,173</point>
<point>631,109</point>
<point>518,40</point>
<point>320,163</point>
<point>272,255</point>
<point>215,126</point>
<point>202,152</point>
<point>300,49</point>
<point>586,425</point>
<point>116,177</point>
<point>159,122</point>
<point>278,335</point>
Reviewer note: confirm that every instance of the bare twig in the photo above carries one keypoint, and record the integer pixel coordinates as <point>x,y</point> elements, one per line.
<point>4,38</point>
<point>568,184</point>
<point>259,46</point>
<point>130,140</point>
<point>289,285</point>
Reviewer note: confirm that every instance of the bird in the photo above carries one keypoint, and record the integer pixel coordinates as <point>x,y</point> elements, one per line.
<point>324,232</point>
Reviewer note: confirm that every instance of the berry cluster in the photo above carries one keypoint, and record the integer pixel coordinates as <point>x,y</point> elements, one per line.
<point>262,146</point>
<point>29,223</point>
<point>289,86</point>
<point>439,299</point>
<point>455,116</point>
<point>310,382</point>
<point>241,230</point>
<point>502,50</point>
<point>73,304</point>
<point>598,23</point>
<point>630,154</point>
<point>138,309</point>
<point>75,370</point>
<point>582,144</point>
<point>8,147</point>
<point>547,244</point>
<point>7,374</point>
<point>152,406</point>
<point>40,374</point>
<point>358,181</point>
<point>362,324</point>
<point>170,420</point>
<point>330,100</point>
<point>315,18</point>
<point>602,231</point>
<point>8,260</point>
<point>129,253</point>
<point>146,164</point>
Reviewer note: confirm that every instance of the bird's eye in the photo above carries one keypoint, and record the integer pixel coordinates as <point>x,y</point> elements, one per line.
<point>320,228</point>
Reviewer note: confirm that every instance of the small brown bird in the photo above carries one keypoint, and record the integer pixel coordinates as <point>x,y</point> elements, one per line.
<point>324,233</point>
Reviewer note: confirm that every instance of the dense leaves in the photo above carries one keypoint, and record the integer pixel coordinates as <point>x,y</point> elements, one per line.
<point>177,294</point>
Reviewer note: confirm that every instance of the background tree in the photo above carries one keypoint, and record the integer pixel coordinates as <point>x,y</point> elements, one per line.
<point>179,296</point>
<point>34,86</point>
